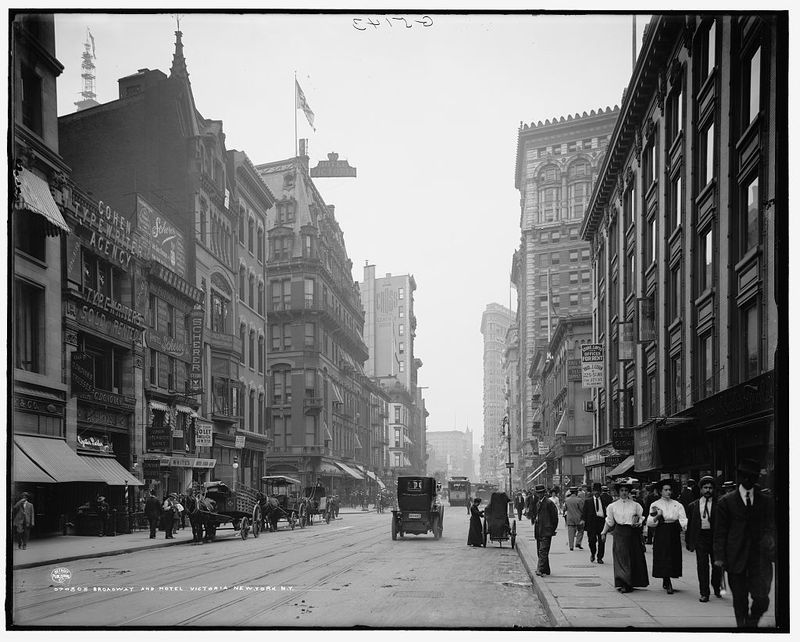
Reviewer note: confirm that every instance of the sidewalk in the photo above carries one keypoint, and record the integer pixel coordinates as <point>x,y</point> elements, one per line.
<point>56,550</point>
<point>581,594</point>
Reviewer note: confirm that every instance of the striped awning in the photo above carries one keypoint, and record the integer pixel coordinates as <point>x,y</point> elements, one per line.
<point>350,471</point>
<point>381,485</point>
<point>25,470</point>
<point>57,459</point>
<point>112,471</point>
<point>337,393</point>
<point>328,469</point>
<point>532,477</point>
<point>35,197</point>
<point>159,405</point>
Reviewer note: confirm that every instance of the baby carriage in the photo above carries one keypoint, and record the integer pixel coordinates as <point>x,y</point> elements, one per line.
<point>496,526</point>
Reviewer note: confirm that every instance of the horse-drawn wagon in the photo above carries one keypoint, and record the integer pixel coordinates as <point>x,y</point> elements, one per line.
<point>317,503</point>
<point>282,500</point>
<point>214,504</point>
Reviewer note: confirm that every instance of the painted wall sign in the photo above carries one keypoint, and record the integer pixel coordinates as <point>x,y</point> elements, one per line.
<point>38,406</point>
<point>203,433</point>
<point>622,438</point>
<point>166,241</point>
<point>151,468</point>
<point>196,321</point>
<point>592,360</point>
<point>97,416</point>
<point>574,371</point>
<point>99,322</point>
<point>109,398</point>
<point>163,343</point>
<point>108,233</point>
<point>158,437</point>
<point>239,443</point>
<point>111,306</point>
<point>82,373</point>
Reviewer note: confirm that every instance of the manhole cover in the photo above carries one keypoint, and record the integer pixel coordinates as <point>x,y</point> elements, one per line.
<point>422,594</point>
<point>579,565</point>
<point>588,584</point>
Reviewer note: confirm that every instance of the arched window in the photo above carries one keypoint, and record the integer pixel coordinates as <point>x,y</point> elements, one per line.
<point>251,291</point>
<point>242,338</point>
<point>252,349</point>
<point>260,248</point>
<point>260,354</point>
<point>250,234</point>
<point>242,282</point>
<point>260,298</point>
<point>251,410</point>
<point>241,225</point>
<point>549,202</point>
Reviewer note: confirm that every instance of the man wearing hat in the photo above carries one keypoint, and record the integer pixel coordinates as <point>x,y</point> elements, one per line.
<point>688,495</point>
<point>700,537</point>
<point>544,529</point>
<point>573,512</point>
<point>625,517</point>
<point>727,487</point>
<point>594,518</point>
<point>744,544</point>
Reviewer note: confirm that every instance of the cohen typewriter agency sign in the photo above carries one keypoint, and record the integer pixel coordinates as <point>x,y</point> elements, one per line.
<point>592,365</point>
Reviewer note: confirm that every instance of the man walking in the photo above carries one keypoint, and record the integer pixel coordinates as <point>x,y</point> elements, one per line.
<point>594,518</point>
<point>519,504</point>
<point>744,544</point>
<point>152,510</point>
<point>573,511</point>
<point>544,529</point>
<point>700,538</point>
<point>23,518</point>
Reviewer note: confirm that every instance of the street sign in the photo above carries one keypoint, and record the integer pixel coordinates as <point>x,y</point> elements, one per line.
<point>239,442</point>
<point>509,464</point>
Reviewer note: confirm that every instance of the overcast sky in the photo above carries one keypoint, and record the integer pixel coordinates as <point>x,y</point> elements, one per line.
<point>427,114</point>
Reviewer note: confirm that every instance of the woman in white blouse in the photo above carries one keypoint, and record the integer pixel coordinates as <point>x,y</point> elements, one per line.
<point>624,518</point>
<point>668,518</point>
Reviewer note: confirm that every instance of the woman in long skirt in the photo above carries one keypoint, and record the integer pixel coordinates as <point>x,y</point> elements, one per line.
<point>625,517</point>
<point>475,537</point>
<point>668,518</point>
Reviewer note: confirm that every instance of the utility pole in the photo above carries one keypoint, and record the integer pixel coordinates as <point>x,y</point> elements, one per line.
<point>506,430</point>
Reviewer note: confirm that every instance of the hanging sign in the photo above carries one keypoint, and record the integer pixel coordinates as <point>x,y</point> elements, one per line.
<point>203,434</point>
<point>239,442</point>
<point>333,168</point>
<point>82,371</point>
<point>592,363</point>
<point>196,320</point>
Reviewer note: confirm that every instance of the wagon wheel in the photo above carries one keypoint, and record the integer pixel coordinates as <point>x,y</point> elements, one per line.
<point>256,521</point>
<point>245,527</point>
<point>394,528</point>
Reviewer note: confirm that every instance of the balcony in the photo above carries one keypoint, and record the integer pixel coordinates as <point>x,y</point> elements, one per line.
<point>312,405</point>
<point>226,342</point>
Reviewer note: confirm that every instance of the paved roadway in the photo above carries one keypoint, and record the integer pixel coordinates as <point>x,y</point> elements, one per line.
<point>345,573</point>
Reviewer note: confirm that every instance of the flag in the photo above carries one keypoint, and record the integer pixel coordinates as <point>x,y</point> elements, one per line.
<point>91,37</point>
<point>301,103</point>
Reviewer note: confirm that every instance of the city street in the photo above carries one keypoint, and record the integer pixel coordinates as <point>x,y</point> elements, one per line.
<point>345,573</point>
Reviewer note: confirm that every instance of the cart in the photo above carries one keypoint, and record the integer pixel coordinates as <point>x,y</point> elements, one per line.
<point>316,503</point>
<point>496,526</point>
<point>282,501</point>
<point>240,508</point>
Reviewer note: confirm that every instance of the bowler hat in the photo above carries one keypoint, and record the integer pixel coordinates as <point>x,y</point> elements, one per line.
<point>669,482</point>
<point>627,482</point>
<point>749,467</point>
<point>539,488</point>
<point>597,486</point>
<point>707,479</point>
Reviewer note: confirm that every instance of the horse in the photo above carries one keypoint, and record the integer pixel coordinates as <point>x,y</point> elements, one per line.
<point>199,508</point>
<point>270,512</point>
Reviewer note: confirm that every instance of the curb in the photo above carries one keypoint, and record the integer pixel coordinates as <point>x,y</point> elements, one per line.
<point>546,597</point>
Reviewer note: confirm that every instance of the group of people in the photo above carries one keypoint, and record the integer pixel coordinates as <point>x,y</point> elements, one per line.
<point>168,513</point>
<point>731,531</point>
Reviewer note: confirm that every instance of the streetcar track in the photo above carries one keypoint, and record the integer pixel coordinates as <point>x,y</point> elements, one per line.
<point>104,598</point>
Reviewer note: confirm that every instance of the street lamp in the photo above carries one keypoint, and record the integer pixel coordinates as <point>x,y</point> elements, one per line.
<point>235,472</point>
<point>509,464</point>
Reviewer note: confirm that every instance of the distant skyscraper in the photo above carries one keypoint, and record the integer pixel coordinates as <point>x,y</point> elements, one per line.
<point>494,326</point>
<point>452,453</point>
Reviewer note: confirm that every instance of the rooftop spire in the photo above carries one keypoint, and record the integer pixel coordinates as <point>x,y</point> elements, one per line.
<point>178,69</point>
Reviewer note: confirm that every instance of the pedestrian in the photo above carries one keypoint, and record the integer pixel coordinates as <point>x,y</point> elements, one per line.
<point>624,518</point>
<point>687,495</point>
<point>23,517</point>
<point>744,544</point>
<point>555,497</point>
<point>519,504</point>
<point>649,498</point>
<point>152,510</point>
<point>178,515</point>
<point>101,507</point>
<point>544,529</point>
<point>583,493</point>
<point>700,538</point>
<point>475,536</point>
<point>168,516</point>
<point>594,519</point>
<point>573,511</point>
<point>605,494</point>
<point>668,518</point>
<point>531,505</point>
<point>727,487</point>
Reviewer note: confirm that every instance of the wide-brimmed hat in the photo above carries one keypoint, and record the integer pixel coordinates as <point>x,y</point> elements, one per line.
<point>669,482</point>
<point>749,467</point>
<point>626,482</point>
<point>707,479</point>
<point>539,488</point>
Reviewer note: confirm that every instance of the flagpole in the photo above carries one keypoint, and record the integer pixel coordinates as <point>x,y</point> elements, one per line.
<point>295,113</point>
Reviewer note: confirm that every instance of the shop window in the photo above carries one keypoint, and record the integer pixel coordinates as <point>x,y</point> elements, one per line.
<point>705,365</point>
<point>29,331</point>
<point>749,342</point>
<point>28,237</point>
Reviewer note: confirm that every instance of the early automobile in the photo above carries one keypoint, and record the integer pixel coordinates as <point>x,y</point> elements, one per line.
<point>419,510</point>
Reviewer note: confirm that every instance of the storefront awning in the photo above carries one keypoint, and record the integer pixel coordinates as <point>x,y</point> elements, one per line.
<point>25,470</point>
<point>327,432</point>
<point>532,477</point>
<point>112,471</point>
<point>158,405</point>
<point>57,459</point>
<point>328,469</point>
<point>623,468</point>
<point>357,442</point>
<point>371,474</point>
<point>36,197</point>
<point>350,471</point>
<point>381,485</point>
<point>337,393</point>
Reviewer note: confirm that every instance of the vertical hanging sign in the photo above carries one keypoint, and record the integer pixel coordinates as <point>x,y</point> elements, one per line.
<point>592,364</point>
<point>196,320</point>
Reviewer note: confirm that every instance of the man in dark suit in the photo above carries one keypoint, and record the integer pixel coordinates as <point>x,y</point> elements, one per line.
<point>531,505</point>
<point>152,510</point>
<point>594,518</point>
<point>544,529</point>
<point>702,515</point>
<point>744,544</point>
